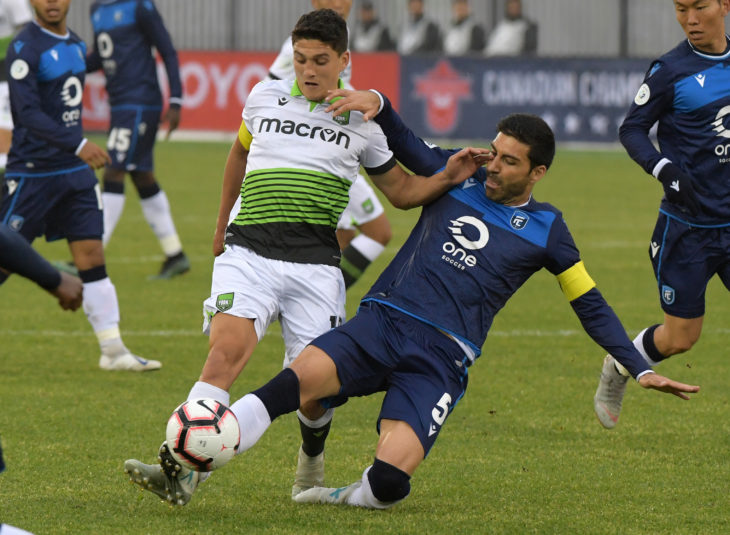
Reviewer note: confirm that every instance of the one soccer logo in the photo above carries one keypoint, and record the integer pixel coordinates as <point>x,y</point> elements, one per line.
<point>718,123</point>
<point>72,92</point>
<point>456,231</point>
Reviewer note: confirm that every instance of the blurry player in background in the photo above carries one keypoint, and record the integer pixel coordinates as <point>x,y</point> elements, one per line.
<point>687,91</point>
<point>125,33</point>
<point>281,254</point>
<point>50,187</point>
<point>13,15</point>
<point>17,256</point>
<point>364,210</point>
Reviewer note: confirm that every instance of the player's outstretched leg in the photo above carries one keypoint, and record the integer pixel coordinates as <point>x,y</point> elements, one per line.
<point>170,481</point>
<point>610,393</point>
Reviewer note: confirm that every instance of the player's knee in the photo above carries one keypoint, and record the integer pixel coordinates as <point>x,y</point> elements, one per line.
<point>388,483</point>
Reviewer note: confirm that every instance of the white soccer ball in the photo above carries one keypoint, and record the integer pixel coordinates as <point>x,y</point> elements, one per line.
<point>203,434</point>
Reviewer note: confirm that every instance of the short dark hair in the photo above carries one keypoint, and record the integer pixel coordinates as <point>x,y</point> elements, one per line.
<point>323,25</point>
<point>534,132</point>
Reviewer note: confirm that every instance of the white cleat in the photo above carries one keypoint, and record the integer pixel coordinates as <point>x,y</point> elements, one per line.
<point>173,483</point>
<point>310,472</point>
<point>610,394</point>
<point>128,362</point>
<point>327,495</point>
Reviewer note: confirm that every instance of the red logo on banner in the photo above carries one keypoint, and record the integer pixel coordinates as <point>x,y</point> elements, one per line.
<point>443,88</point>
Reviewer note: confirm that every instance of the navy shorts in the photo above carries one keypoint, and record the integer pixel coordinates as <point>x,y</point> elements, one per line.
<point>685,258</point>
<point>422,371</point>
<point>132,134</point>
<point>62,204</point>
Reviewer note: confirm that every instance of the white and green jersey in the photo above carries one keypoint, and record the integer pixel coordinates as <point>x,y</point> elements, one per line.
<point>301,163</point>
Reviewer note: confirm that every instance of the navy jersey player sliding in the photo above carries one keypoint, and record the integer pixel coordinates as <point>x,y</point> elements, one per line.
<point>125,31</point>
<point>50,187</point>
<point>687,92</point>
<point>423,323</point>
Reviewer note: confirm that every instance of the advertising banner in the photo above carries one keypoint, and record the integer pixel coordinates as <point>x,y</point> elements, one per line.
<point>216,85</point>
<point>583,100</point>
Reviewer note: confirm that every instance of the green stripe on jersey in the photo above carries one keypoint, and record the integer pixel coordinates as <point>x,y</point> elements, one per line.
<point>292,196</point>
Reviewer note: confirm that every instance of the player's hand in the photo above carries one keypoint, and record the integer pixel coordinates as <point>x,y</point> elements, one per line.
<point>465,163</point>
<point>69,292</point>
<point>678,188</point>
<point>664,384</point>
<point>94,155</point>
<point>219,242</point>
<point>366,102</point>
<point>172,118</point>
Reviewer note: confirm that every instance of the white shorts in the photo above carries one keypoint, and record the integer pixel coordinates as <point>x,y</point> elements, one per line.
<point>307,299</point>
<point>6,118</point>
<point>364,205</point>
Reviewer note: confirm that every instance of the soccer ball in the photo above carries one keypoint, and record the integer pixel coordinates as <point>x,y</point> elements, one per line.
<point>203,434</point>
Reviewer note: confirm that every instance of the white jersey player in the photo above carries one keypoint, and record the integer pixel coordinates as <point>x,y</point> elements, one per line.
<point>364,211</point>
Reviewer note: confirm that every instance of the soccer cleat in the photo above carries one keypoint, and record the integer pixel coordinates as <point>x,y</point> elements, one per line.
<point>326,494</point>
<point>66,266</point>
<point>610,394</point>
<point>310,472</point>
<point>173,483</point>
<point>128,362</point>
<point>172,267</point>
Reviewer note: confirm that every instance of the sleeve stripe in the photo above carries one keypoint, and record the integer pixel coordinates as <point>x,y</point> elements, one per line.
<point>575,281</point>
<point>244,136</point>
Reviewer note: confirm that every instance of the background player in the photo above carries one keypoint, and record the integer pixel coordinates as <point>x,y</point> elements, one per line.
<point>125,33</point>
<point>426,318</point>
<point>17,256</point>
<point>364,210</point>
<point>50,187</point>
<point>281,256</point>
<point>14,14</point>
<point>686,92</point>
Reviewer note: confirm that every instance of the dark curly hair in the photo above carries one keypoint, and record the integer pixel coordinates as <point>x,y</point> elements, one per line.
<point>533,132</point>
<point>323,25</point>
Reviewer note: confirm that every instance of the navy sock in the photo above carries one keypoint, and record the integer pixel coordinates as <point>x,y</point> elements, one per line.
<point>313,438</point>
<point>281,394</point>
<point>649,346</point>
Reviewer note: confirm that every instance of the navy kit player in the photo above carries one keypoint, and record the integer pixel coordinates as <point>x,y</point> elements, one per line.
<point>125,32</point>
<point>50,187</point>
<point>281,256</point>
<point>364,211</point>
<point>687,92</point>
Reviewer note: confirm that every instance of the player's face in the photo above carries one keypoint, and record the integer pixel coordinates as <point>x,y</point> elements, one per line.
<point>510,179</point>
<point>317,67</point>
<point>703,22</point>
<point>51,14</point>
<point>341,7</point>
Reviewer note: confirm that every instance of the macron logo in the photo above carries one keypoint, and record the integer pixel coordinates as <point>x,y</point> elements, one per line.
<point>675,185</point>
<point>654,248</point>
<point>700,79</point>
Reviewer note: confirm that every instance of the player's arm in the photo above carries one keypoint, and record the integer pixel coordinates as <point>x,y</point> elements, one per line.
<point>417,155</point>
<point>233,174</point>
<point>405,191</point>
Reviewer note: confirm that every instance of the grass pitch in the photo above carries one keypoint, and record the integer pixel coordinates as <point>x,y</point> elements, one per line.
<point>522,453</point>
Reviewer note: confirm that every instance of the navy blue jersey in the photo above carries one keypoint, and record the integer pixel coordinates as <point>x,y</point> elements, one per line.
<point>688,93</point>
<point>467,255</point>
<point>46,79</point>
<point>124,33</point>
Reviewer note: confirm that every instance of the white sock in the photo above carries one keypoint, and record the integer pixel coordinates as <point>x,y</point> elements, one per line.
<point>319,422</point>
<point>3,160</point>
<point>206,390</point>
<point>156,211</point>
<point>639,345</point>
<point>253,419</point>
<point>367,246</point>
<point>363,496</point>
<point>113,207</point>
<point>101,305</point>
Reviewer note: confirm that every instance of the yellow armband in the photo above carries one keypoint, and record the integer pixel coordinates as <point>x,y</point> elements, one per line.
<point>244,136</point>
<point>575,281</point>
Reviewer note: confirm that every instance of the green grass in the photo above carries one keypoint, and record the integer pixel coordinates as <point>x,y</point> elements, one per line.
<point>523,452</point>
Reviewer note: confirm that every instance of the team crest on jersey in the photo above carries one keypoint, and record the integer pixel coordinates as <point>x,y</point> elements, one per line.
<point>342,119</point>
<point>667,294</point>
<point>19,69</point>
<point>519,220</point>
<point>224,302</point>
<point>642,96</point>
<point>16,222</point>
